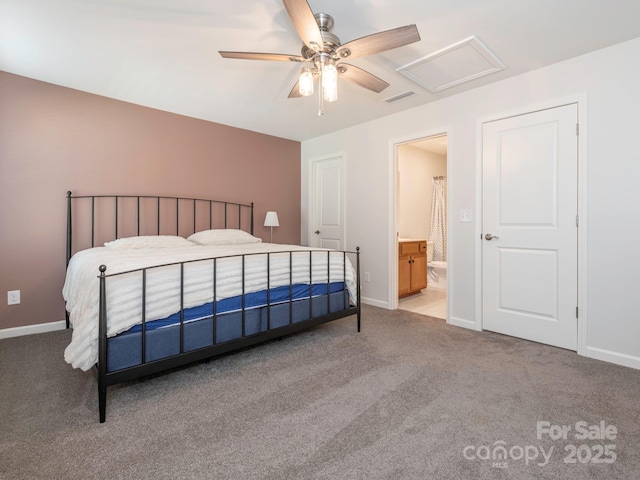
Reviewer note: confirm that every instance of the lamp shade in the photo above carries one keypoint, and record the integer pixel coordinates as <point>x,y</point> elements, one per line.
<point>271,220</point>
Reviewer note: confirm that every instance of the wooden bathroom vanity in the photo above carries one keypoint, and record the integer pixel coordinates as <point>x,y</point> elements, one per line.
<point>412,266</point>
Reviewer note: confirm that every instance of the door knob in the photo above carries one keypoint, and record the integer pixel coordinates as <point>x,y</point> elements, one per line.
<point>488,236</point>
<point>317,232</point>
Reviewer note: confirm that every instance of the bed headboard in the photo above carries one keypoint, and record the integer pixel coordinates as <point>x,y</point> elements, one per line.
<point>104,218</point>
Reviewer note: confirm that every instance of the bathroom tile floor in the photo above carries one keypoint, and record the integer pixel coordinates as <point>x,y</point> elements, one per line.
<point>430,301</point>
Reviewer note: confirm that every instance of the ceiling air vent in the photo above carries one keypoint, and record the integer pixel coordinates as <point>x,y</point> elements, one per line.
<point>400,96</point>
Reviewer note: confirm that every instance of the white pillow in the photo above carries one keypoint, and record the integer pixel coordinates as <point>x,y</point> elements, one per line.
<point>151,241</point>
<point>228,236</point>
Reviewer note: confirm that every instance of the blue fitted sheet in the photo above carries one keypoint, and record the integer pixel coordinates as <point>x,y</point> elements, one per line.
<point>252,300</point>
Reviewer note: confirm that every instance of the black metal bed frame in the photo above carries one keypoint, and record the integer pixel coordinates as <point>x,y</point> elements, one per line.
<point>106,378</point>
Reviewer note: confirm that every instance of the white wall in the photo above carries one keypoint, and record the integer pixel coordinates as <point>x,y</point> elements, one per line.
<point>416,169</point>
<point>609,79</point>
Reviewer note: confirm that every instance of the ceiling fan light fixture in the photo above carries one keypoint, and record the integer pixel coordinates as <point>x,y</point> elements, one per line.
<point>330,81</point>
<point>305,82</point>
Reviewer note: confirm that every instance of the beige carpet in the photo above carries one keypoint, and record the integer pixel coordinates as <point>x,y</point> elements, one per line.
<point>407,398</point>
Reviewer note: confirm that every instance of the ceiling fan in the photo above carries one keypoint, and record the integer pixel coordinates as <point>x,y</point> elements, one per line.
<point>323,54</point>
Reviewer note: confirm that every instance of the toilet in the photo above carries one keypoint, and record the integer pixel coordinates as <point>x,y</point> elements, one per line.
<point>436,270</point>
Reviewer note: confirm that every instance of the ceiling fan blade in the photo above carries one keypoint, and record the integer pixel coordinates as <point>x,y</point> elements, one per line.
<point>274,57</point>
<point>302,18</point>
<point>379,42</point>
<point>361,77</point>
<point>295,91</point>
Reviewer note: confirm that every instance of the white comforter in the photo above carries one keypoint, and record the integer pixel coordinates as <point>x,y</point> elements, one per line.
<point>124,292</point>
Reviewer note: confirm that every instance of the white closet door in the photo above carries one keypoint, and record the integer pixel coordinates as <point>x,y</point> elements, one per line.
<point>530,178</point>
<point>327,204</point>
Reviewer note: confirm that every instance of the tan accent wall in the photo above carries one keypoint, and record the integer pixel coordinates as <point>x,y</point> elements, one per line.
<point>54,139</point>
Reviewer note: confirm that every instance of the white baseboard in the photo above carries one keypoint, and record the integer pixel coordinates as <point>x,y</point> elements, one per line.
<point>461,322</point>
<point>31,329</point>
<point>375,303</point>
<point>613,357</point>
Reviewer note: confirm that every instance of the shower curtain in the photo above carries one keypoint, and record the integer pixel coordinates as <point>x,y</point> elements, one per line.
<point>438,229</point>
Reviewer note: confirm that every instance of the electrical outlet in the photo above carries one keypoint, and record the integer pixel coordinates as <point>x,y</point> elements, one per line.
<point>367,277</point>
<point>13,297</point>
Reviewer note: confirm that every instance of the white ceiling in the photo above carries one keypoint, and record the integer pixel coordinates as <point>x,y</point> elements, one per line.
<point>163,53</point>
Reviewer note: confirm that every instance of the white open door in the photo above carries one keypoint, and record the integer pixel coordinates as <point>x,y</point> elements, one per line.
<point>529,226</point>
<point>327,204</point>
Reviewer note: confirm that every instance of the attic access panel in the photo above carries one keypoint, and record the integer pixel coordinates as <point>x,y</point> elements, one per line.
<point>461,62</point>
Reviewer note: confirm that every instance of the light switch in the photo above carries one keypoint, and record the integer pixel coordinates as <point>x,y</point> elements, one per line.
<point>465,215</point>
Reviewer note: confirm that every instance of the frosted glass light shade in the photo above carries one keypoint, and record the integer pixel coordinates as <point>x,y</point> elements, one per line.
<point>305,83</point>
<point>330,81</point>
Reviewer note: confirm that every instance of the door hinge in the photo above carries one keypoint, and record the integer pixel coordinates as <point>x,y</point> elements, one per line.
<point>576,312</point>
<point>577,129</point>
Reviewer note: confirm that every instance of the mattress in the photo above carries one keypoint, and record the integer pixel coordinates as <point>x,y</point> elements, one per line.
<point>201,274</point>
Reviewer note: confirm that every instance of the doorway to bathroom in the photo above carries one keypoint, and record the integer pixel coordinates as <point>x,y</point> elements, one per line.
<point>421,218</point>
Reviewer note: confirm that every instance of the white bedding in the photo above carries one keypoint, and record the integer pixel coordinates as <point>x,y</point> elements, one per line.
<point>124,292</point>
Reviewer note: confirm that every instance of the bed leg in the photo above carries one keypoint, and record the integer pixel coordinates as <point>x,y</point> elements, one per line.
<point>67,319</point>
<point>102,400</point>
